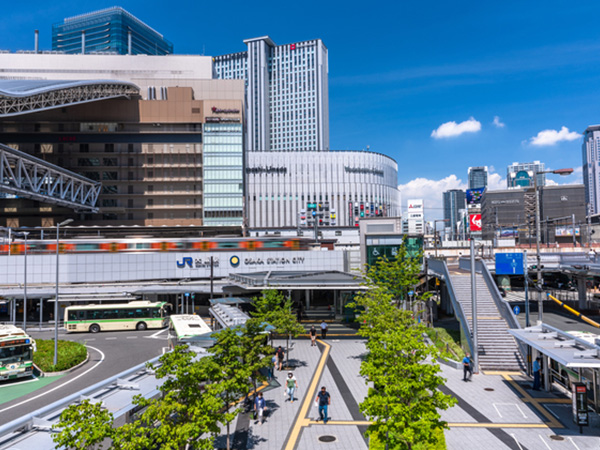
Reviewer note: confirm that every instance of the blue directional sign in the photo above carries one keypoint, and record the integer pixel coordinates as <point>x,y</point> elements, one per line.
<point>516,310</point>
<point>509,263</point>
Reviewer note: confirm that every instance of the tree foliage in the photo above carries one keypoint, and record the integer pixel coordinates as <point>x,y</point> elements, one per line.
<point>197,395</point>
<point>403,399</point>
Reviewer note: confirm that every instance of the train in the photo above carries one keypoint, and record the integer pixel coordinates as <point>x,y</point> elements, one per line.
<point>149,245</point>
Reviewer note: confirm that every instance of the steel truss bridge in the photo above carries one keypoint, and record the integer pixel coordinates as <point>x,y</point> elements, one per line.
<point>27,176</point>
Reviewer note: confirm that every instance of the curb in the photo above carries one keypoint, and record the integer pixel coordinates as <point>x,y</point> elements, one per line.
<point>64,372</point>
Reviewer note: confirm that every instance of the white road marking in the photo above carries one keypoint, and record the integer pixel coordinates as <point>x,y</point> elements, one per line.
<point>131,337</point>
<point>90,340</point>
<point>20,382</point>
<point>515,438</point>
<point>497,410</point>
<point>155,335</point>
<point>550,409</point>
<point>545,443</point>
<point>573,442</point>
<point>60,386</point>
<point>521,411</point>
<point>111,339</point>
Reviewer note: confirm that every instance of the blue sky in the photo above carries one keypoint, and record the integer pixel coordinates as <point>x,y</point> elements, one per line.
<point>400,70</point>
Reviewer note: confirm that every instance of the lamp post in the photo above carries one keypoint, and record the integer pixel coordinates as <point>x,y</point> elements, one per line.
<point>24,234</point>
<point>562,172</point>
<point>56,295</point>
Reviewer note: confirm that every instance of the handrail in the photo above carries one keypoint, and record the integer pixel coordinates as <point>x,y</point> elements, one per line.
<point>503,306</point>
<point>440,267</point>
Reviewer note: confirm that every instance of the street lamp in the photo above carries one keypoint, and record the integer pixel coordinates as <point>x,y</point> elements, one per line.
<point>24,234</point>
<point>56,295</point>
<point>562,172</point>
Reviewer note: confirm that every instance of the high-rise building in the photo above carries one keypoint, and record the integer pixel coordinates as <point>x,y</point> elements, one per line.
<point>521,174</point>
<point>454,201</point>
<point>287,94</point>
<point>414,222</point>
<point>111,30</point>
<point>478,177</point>
<point>591,167</point>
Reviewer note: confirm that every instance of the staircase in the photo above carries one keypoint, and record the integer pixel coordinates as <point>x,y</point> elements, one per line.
<point>497,349</point>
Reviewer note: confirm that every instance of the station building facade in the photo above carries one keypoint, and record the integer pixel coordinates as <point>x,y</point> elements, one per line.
<point>284,189</point>
<point>170,155</point>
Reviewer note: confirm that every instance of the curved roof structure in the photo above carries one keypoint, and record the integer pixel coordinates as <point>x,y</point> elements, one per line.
<point>19,97</point>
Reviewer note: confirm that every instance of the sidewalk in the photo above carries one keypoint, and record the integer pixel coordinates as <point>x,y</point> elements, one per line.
<point>494,411</point>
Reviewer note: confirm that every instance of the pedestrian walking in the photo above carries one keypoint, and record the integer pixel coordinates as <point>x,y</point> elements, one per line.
<point>323,330</point>
<point>323,400</point>
<point>537,370</point>
<point>467,368</point>
<point>291,384</point>
<point>280,355</point>
<point>260,407</point>
<point>313,336</point>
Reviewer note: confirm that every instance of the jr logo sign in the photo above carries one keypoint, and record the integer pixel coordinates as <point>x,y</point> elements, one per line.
<point>185,262</point>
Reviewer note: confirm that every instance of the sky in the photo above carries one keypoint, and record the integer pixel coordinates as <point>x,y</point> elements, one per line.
<point>438,86</point>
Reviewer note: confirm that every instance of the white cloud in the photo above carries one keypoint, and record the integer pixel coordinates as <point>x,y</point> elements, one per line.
<point>552,137</point>
<point>452,129</point>
<point>431,191</point>
<point>497,122</point>
<point>496,182</point>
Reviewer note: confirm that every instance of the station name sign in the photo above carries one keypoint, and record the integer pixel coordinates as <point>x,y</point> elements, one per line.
<point>198,263</point>
<point>222,119</point>
<point>365,170</point>
<point>514,201</point>
<point>269,169</point>
<point>273,261</point>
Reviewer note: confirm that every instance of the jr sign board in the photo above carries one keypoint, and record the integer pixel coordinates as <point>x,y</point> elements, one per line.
<point>509,263</point>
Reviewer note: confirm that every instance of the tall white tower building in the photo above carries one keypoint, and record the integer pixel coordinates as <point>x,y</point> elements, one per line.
<point>287,94</point>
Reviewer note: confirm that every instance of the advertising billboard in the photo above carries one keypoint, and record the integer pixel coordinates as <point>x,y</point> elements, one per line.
<point>475,222</point>
<point>567,231</point>
<point>474,196</point>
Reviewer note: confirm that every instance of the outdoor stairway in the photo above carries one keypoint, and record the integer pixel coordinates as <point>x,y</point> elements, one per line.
<point>497,348</point>
<point>335,329</point>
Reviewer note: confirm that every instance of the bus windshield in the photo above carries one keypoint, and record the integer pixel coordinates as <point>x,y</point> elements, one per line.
<point>17,353</point>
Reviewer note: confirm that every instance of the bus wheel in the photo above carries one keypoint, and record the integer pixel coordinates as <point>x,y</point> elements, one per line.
<point>94,328</point>
<point>141,326</point>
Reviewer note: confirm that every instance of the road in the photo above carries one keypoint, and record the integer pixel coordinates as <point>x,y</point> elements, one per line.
<point>110,353</point>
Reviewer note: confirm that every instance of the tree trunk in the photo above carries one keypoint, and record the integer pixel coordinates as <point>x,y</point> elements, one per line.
<point>228,444</point>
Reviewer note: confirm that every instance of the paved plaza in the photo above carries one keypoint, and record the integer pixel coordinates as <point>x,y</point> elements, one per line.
<point>494,410</point>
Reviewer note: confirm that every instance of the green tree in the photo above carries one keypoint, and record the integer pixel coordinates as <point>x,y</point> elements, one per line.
<point>231,375</point>
<point>403,401</point>
<point>256,353</point>
<point>84,426</point>
<point>185,415</point>
<point>272,307</point>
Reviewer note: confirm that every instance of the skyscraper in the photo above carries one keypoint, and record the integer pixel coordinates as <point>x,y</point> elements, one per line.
<point>591,165</point>
<point>287,94</point>
<point>478,177</point>
<point>111,30</point>
<point>521,174</point>
<point>454,201</point>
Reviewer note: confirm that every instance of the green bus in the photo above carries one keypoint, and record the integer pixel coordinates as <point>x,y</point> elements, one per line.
<point>16,353</point>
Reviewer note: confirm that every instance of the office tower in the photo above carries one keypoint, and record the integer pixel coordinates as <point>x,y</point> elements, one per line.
<point>414,222</point>
<point>111,30</point>
<point>521,174</point>
<point>478,177</point>
<point>454,201</point>
<point>287,98</point>
<point>591,166</point>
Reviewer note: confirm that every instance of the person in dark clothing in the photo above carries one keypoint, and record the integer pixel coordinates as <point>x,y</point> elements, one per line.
<point>313,336</point>
<point>467,368</point>
<point>324,400</point>
<point>537,371</point>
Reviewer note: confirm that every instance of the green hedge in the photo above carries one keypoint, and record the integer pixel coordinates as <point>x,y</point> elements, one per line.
<point>447,342</point>
<point>69,355</point>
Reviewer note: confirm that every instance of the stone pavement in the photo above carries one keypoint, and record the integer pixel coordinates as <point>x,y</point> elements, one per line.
<point>494,411</point>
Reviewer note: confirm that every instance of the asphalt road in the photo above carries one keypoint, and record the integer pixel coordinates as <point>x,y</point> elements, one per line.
<point>110,354</point>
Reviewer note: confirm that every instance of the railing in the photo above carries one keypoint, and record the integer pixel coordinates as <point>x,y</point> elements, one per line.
<point>439,267</point>
<point>503,306</point>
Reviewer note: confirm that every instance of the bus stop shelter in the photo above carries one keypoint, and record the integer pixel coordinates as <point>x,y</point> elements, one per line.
<point>567,357</point>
